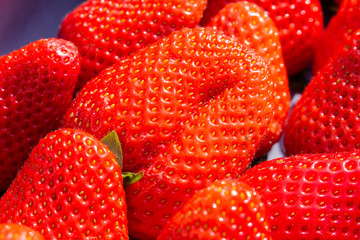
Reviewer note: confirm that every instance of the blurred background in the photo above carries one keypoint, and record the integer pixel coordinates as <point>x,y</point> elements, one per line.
<point>25,21</point>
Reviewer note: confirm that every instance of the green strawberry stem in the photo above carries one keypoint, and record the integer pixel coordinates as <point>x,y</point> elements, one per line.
<point>112,141</point>
<point>129,177</point>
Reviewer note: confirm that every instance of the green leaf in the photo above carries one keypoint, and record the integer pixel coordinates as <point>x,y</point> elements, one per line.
<point>113,143</point>
<point>130,178</point>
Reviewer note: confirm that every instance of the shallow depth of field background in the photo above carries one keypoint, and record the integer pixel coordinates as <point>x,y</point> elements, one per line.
<point>25,21</point>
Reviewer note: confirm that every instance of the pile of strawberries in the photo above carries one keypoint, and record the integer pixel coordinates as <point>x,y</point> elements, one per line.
<point>143,119</point>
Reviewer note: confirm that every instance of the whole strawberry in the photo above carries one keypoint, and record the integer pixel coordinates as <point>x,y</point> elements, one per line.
<point>326,118</point>
<point>18,232</point>
<point>69,188</point>
<point>310,196</point>
<point>337,33</point>
<point>189,109</point>
<point>37,84</point>
<point>223,210</point>
<point>107,30</point>
<point>300,24</point>
<point>251,26</point>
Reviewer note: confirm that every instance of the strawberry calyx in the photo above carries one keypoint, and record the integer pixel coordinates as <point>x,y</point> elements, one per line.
<point>111,140</point>
<point>129,177</point>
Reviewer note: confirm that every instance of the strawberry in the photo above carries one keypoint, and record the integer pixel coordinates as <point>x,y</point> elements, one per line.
<point>337,33</point>
<point>251,26</point>
<point>326,118</point>
<point>37,84</point>
<point>107,30</point>
<point>18,232</point>
<point>299,22</point>
<point>348,3</point>
<point>69,188</point>
<point>189,109</point>
<point>310,196</point>
<point>223,210</point>
<point>338,2</point>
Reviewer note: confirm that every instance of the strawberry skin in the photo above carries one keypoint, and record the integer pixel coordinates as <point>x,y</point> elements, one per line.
<point>251,26</point>
<point>69,188</point>
<point>107,30</point>
<point>338,2</point>
<point>326,118</point>
<point>188,110</point>
<point>18,232</point>
<point>348,3</point>
<point>300,24</point>
<point>37,84</point>
<point>223,210</point>
<point>337,33</point>
<point>310,196</point>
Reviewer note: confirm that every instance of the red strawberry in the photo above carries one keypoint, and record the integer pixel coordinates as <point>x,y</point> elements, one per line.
<point>106,30</point>
<point>338,2</point>
<point>251,26</point>
<point>299,22</point>
<point>337,33</point>
<point>326,118</point>
<point>18,232</point>
<point>348,3</point>
<point>37,84</point>
<point>224,210</point>
<point>69,188</point>
<point>189,109</point>
<point>310,196</point>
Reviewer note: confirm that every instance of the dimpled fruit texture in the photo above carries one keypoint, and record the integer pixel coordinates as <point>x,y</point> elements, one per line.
<point>310,196</point>
<point>300,24</point>
<point>251,26</point>
<point>37,84</point>
<point>189,109</point>
<point>69,188</point>
<point>327,117</point>
<point>18,232</point>
<point>337,33</point>
<point>223,210</point>
<point>105,31</point>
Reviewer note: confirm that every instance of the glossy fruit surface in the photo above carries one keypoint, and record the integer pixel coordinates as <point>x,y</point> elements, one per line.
<point>337,33</point>
<point>310,196</point>
<point>223,210</point>
<point>188,110</point>
<point>37,84</point>
<point>106,31</point>
<point>18,232</point>
<point>299,22</point>
<point>326,118</point>
<point>69,188</point>
<point>251,26</point>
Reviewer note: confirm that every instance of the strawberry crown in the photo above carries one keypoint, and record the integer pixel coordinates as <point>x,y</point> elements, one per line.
<point>111,140</point>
